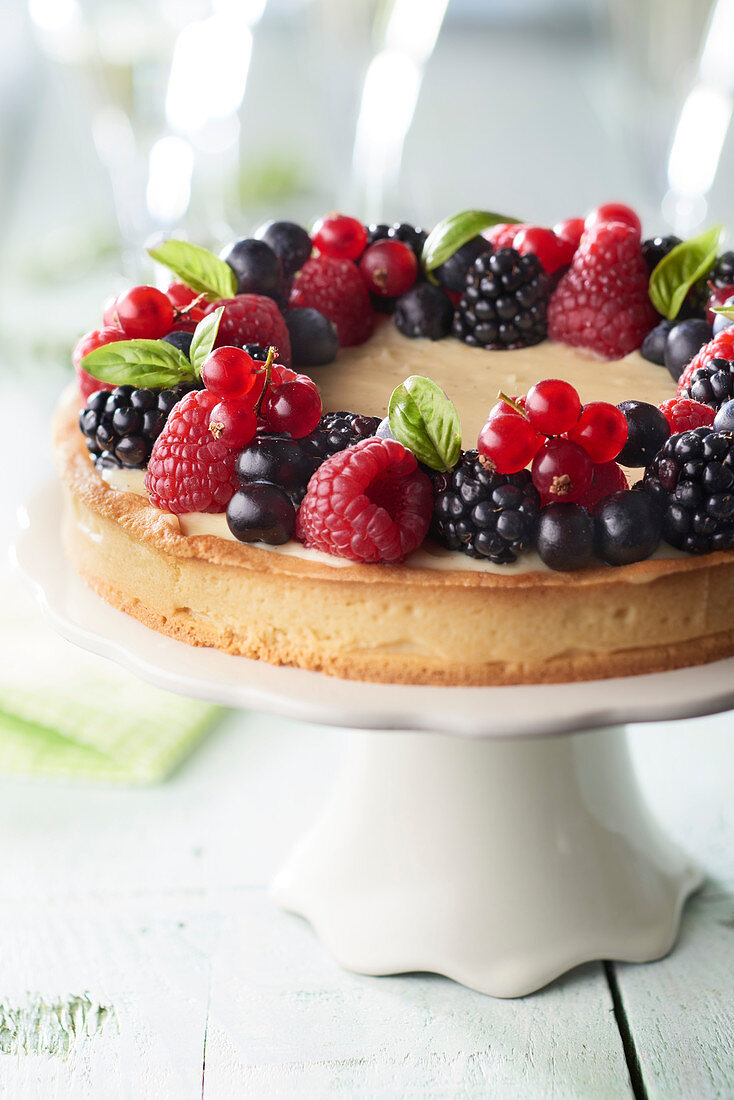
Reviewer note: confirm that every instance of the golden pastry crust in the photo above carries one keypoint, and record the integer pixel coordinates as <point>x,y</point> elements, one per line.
<point>388,623</point>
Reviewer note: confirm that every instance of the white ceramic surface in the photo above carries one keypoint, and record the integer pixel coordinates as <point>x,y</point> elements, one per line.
<point>500,858</point>
<point>501,864</point>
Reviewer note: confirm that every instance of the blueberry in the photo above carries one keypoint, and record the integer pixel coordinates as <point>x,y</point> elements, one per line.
<point>261,512</point>
<point>314,340</point>
<point>277,459</point>
<point>453,272</point>
<point>257,267</point>
<point>180,340</point>
<point>653,346</point>
<point>289,241</point>
<point>684,340</point>
<point>648,429</point>
<point>721,322</point>
<point>724,420</point>
<point>384,431</point>
<point>627,527</point>
<point>424,310</point>
<point>565,537</point>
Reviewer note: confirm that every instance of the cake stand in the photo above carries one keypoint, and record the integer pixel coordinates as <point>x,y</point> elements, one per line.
<point>494,835</point>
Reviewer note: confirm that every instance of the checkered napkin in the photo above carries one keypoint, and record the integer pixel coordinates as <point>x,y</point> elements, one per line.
<point>70,714</point>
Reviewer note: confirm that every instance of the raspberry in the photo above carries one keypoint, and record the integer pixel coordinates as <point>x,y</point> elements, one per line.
<point>336,289</point>
<point>368,503</point>
<point>607,478</point>
<point>721,347</point>
<point>253,319</point>
<point>97,338</point>
<point>684,415</point>
<point>602,302</point>
<point>189,470</point>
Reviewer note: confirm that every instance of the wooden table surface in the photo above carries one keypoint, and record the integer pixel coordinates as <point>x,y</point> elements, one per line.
<point>142,957</point>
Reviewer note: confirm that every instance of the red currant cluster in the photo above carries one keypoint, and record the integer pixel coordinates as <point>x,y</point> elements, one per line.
<point>256,395</point>
<point>389,267</point>
<point>563,439</point>
<point>555,247</point>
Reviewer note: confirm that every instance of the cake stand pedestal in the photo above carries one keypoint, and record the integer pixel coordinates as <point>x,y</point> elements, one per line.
<point>493,835</point>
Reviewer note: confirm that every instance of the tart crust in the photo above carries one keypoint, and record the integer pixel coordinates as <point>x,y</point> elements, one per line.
<point>391,624</point>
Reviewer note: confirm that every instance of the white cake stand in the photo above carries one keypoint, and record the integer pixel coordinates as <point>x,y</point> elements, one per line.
<point>494,835</point>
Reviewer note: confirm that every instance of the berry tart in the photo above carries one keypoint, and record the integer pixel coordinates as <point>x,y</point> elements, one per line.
<point>494,453</point>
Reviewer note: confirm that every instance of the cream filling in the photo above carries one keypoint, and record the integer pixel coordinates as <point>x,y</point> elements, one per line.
<point>362,379</point>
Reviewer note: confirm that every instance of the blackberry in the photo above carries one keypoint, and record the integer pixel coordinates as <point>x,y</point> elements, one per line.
<point>713,384</point>
<point>122,425</point>
<point>691,480</point>
<point>505,302</point>
<point>338,430</point>
<point>485,514</point>
<point>655,249</point>
<point>722,273</point>
<point>399,231</point>
<point>452,273</point>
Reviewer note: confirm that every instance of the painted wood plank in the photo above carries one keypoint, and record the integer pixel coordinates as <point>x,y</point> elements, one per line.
<point>285,1021</point>
<point>103,1000</point>
<point>680,1010</point>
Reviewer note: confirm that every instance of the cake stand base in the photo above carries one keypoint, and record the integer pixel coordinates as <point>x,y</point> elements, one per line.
<point>499,863</point>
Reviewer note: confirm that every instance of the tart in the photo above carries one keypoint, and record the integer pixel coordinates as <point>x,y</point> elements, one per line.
<point>431,616</point>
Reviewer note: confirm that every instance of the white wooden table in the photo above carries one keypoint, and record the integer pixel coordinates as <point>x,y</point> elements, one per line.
<point>141,956</point>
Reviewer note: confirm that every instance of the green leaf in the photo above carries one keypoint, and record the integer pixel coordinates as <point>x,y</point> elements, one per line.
<point>139,363</point>
<point>684,265</point>
<point>450,234</point>
<point>725,311</point>
<point>203,339</point>
<point>424,420</point>
<point>199,268</point>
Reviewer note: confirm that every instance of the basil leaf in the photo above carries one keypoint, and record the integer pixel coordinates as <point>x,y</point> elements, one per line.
<point>199,268</point>
<point>139,363</point>
<point>684,265</point>
<point>203,339</point>
<point>424,420</point>
<point>450,234</point>
<point>725,311</point>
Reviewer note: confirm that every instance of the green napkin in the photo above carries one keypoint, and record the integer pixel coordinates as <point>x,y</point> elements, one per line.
<point>68,713</point>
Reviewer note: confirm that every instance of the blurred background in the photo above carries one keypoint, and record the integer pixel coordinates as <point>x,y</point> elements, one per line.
<point>124,118</point>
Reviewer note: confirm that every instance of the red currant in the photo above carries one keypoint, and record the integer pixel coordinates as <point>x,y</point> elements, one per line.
<point>552,251</point>
<point>614,212</point>
<point>509,441</point>
<point>562,470</point>
<point>233,422</point>
<point>389,268</point>
<point>230,372</point>
<point>293,407</point>
<point>97,338</point>
<point>571,230</point>
<point>340,237</point>
<point>601,430</point>
<point>181,297</point>
<point>144,313</point>
<point>552,406</point>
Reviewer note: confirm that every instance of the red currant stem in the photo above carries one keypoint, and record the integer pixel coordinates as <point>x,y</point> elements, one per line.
<point>180,313</point>
<point>512,403</point>
<point>268,368</point>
